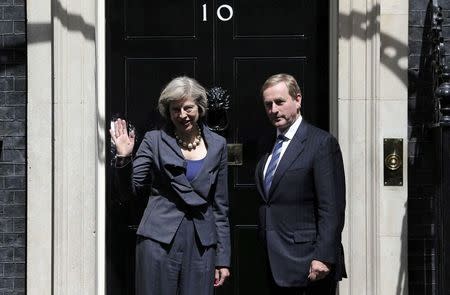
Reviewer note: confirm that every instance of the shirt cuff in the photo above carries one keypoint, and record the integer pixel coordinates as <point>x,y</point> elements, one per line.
<point>122,161</point>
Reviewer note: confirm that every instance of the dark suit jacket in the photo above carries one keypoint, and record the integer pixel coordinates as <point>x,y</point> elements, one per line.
<point>158,171</point>
<point>302,217</point>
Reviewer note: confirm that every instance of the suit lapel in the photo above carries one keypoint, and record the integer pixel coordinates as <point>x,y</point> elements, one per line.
<point>214,147</point>
<point>174,166</point>
<point>206,176</point>
<point>172,144</point>
<point>260,176</point>
<point>293,151</point>
<point>175,161</point>
<point>267,145</point>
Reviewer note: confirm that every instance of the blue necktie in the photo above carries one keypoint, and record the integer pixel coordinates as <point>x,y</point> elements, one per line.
<point>273,162</point>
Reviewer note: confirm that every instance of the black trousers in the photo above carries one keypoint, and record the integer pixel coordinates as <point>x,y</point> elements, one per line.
<point>183,267</point>
<point>326,286</point>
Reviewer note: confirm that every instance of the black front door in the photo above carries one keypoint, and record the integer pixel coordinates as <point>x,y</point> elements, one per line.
<point>235,45</point>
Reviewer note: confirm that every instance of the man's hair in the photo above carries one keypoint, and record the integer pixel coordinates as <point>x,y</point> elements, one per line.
<point>287,79</point>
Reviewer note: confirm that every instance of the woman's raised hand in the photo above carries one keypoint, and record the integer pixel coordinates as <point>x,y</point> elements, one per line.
<point>124,142</point>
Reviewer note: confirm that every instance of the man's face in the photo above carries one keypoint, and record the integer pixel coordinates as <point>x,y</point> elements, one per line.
<point>281,108</point>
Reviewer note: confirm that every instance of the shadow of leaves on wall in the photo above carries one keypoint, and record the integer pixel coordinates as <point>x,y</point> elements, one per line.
<point>393,52</point>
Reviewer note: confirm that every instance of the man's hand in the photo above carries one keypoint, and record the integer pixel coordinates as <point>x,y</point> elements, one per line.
<point>220,276</point>
<point>318,270</point>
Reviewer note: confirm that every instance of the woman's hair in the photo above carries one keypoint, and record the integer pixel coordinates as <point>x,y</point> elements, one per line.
<point>180,88</point>
<point>287,79</point>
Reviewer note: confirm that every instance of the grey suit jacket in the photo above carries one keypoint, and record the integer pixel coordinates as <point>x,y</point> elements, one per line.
<point>158,171</point>
<point>302,216</point>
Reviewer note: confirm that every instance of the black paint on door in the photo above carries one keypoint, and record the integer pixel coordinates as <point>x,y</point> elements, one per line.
<point>151,42</point>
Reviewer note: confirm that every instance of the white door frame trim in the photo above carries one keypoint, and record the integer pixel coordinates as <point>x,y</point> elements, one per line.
<point>39,156</point>
<point>101,135</point>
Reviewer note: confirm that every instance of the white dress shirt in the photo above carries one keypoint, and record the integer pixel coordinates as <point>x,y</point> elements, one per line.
<point>289,134</point>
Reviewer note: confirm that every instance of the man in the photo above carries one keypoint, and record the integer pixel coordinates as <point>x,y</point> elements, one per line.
<point>301,182</point>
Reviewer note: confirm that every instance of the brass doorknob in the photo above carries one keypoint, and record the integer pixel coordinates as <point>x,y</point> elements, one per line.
<point>393,161</point>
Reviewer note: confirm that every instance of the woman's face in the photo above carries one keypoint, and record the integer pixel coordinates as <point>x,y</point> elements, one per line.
<point>184,114</point>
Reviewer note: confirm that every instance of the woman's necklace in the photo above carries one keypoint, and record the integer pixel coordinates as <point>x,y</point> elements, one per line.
<point>190,145</point>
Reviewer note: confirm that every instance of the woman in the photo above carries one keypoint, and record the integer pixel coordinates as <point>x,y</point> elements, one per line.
<point>183,243</point>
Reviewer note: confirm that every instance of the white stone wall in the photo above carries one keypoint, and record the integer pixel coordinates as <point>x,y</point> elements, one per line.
<point>62,147</point>
<point>39,148</point>
<point>373,54</point>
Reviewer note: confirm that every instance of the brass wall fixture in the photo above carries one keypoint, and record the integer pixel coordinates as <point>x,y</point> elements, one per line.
<point>235,157</point>
<point>393,162</point>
